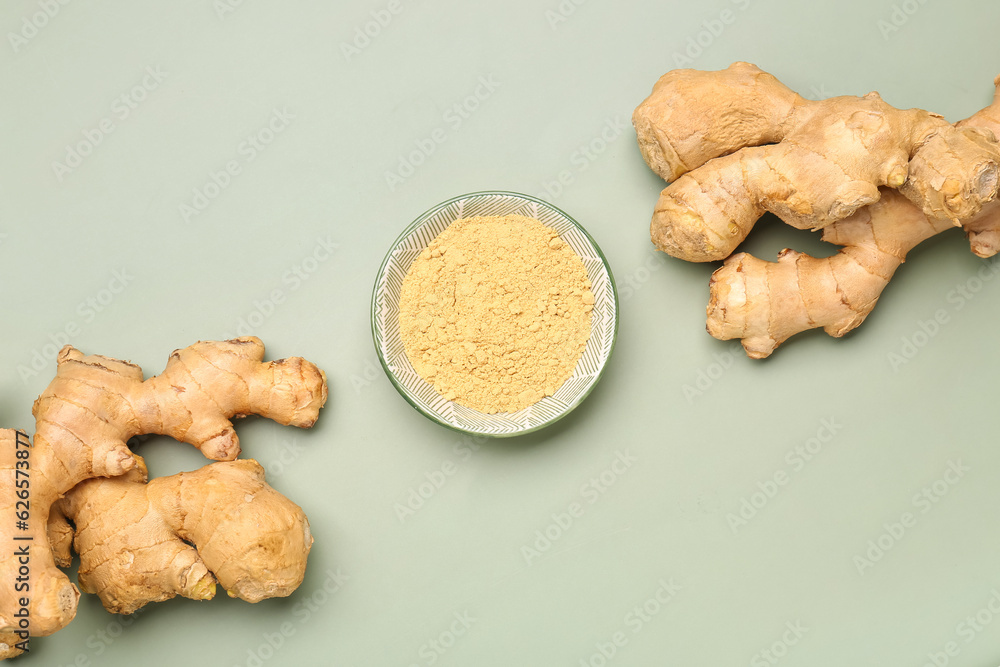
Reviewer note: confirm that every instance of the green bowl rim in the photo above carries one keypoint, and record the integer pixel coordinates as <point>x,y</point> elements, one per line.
<point>421,219</point>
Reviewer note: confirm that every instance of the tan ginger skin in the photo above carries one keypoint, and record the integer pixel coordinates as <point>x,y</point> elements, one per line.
<point>135,537</point>
<point>86,416</point>
<point>877,180</point>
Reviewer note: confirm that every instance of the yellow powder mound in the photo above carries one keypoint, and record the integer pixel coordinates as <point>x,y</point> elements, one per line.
<point>495,312</point>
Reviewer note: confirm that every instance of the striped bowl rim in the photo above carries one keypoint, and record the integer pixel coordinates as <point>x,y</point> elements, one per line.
<point>417,391</point>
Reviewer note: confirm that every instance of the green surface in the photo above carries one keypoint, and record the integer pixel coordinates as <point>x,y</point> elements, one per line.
<point>645,476</point>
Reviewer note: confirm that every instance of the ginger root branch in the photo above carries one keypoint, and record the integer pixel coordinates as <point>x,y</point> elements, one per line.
<point>222,520</point>
<point>877,180</point>
<point>90,410</point>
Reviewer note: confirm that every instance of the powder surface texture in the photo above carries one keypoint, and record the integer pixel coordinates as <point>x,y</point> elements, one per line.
<point>496,312</point>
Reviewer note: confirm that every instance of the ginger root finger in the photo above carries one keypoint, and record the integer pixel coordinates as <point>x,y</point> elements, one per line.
<point>983,229</point>
<point>681,126</point>
<point>60,534</point>
<point>95,404</point>
<point>765,303</point>
<point>206,384</point>
<point>145,542</point>
<point>954,175</point>
<point>875,179</point>
<point>706,213</point>
<point>250,536</point>
<point>826,159</point>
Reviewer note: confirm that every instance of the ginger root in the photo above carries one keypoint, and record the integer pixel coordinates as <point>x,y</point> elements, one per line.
<point>135,538</point>
<point>84,420</point>
<point>875,179</point>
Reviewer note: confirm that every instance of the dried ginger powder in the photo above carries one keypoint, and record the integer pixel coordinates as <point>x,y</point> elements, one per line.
<point>495,312</point>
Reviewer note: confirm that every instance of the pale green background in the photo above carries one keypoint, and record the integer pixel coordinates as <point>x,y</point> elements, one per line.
<point>324,177</point>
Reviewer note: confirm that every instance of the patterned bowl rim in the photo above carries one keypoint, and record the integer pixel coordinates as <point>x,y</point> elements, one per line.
<point>380,288</point>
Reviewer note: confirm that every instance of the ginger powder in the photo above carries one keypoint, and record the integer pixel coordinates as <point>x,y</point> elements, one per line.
<point>496,312</point>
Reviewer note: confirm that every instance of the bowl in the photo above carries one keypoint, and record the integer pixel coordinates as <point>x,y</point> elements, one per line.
<point>421,394</point>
